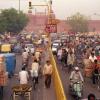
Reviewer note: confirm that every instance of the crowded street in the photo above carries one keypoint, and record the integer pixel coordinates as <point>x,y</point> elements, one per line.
<point>63,69</point>
<point>49,50</point>
<point>39,93</point>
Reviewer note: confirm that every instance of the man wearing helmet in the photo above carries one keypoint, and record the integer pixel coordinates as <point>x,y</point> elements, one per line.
<point>76,75</point>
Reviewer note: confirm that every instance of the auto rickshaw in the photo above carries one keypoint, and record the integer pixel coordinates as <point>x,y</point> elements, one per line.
<point>6,48</point>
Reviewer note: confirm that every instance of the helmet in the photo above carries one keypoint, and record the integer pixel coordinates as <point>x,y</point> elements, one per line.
<point>76,68</point>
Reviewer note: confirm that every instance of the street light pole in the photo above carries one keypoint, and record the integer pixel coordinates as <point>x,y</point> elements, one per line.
<point>19,6</point>
<point>49,20</point>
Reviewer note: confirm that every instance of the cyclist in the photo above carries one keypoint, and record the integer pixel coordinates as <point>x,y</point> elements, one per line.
<point>23,76</point>
<point>34,72</point>
<point>25,57</point>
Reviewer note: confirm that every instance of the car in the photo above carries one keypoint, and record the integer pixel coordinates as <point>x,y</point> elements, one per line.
<point>55,47</point>
<point>29,46</point>
<point>57,42</point>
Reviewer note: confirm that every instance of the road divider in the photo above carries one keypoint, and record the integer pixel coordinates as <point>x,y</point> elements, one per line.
<point>60,95</point>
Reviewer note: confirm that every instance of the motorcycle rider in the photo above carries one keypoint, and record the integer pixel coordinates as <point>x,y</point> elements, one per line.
<point>76,76</point>
<point>76,85</point>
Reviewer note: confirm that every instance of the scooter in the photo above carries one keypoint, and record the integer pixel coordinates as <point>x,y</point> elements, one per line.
<point>76,89</point>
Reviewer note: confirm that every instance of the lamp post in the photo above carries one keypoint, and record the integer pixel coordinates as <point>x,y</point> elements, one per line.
<point>48,5</point>
<point>19,6</point>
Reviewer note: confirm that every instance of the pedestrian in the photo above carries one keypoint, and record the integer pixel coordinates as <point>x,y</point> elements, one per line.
<point>32,50</point>
<point>25,57</point>
<point>47,71</point>
<point>37,55</point>
<point>33,57</point>
<point>23,76</point>
<point>64,57</point>
<point>59,53</point>
<point>92,57</point>
<point>70,60</point>
<point>95,72</point>
<point>27,49</point>
<point>3,76</point>
<point>91,97</point>
<point>35,71</point>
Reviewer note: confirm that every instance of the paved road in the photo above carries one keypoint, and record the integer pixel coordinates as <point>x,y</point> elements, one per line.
<point>88,86</point>
<point>40,93</point>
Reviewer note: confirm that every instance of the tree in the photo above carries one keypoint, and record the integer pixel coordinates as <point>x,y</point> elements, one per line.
<point>12,21</point>
<point>78,23</point>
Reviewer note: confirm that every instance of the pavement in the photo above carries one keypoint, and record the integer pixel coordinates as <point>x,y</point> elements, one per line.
<point>41,93</point>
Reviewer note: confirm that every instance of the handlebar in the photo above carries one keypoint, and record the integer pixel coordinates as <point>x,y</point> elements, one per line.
<point>76,82</point>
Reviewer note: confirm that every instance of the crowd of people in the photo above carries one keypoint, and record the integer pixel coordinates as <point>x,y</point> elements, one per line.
<point>80,57</point>
<point>35,65</point>
<point>72,56</point>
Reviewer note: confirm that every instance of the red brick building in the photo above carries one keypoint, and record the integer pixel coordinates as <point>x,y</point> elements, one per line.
<point>94,25</point>
<point>38,21</point>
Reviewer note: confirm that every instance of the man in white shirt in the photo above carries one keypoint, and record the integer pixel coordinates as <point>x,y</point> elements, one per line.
<point>92,57</point>
<point>76,75</point>
<point>25,56</point>
<point>32,50</point>
<point>35,66</point>
<point>23,76</point>
<point>27,49</point>
<point>35,71</point>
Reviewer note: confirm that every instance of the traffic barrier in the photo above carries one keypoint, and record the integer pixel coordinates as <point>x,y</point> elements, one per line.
<point>60,95</point>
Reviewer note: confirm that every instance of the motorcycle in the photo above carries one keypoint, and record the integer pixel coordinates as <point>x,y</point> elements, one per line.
<point>76,89</point>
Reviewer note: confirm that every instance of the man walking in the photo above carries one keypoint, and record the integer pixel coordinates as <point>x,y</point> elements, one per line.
<point>47,71</point>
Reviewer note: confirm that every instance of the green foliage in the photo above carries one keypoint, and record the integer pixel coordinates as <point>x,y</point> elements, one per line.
<point>78,23</point>
<point>12,21</point>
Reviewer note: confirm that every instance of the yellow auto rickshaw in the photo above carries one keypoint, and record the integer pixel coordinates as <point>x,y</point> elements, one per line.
<point>6,48</point>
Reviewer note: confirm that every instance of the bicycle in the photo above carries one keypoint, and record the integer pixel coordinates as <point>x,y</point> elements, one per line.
<point>34,76</point>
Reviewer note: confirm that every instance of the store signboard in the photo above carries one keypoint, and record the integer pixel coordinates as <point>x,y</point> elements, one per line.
<point>51,28</point>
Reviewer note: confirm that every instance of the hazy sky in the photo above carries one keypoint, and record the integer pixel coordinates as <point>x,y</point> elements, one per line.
<point>62,8</point>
